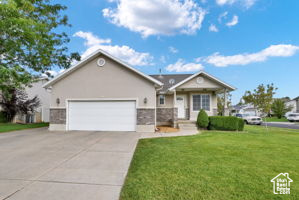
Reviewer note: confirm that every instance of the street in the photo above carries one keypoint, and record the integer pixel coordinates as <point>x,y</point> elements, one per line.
<point>282,125</point>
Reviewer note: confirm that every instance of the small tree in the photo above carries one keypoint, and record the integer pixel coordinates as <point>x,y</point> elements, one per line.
<point>261,97</point>
<point>202,119</point>
<point>279,108</point>
<point>18,102</point>
<point>32,41</point>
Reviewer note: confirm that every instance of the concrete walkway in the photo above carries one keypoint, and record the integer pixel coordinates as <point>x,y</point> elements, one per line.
<point>174,134</point>
<point>40,165</point>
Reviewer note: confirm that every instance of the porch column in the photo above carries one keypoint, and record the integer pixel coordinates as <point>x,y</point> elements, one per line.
<point>225,109</point>
<point>174,111</point>
<point>174,98</point>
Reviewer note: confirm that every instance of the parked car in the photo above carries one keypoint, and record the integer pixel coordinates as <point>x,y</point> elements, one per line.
<point>250,119</point>
<point>293,117</point>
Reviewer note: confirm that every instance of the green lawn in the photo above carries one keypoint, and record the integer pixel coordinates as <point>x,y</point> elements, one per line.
<point>214,165</point>
<point>275,119</point>
<point>6,127</point>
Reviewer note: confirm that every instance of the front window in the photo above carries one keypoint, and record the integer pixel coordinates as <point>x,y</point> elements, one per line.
<point>201,101</point>
<point>205,102</point>
<point>161,99</point>
<point>196,102</point>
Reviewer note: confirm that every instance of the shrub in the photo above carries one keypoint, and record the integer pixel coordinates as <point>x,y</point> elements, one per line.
<point>241,124</point>
<point>226,123</point>
<point>202,119</point>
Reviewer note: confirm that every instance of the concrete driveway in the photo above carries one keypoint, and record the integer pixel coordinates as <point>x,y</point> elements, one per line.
<point>37,164</point>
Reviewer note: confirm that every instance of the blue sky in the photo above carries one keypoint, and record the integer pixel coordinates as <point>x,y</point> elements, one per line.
<point>242,42</point>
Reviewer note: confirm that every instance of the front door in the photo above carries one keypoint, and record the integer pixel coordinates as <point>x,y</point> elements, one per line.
<point>180,103</point>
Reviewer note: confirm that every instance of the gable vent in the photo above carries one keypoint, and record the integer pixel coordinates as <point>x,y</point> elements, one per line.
<point>101,62</point>
<point>171,81</point>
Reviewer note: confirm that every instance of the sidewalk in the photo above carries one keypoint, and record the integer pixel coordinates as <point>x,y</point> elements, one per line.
<point>174,134</point>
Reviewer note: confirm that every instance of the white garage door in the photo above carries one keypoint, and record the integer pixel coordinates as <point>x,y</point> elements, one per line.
<point>102,115</point>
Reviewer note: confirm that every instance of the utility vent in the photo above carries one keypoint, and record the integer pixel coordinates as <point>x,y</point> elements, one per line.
<point>101,62</point>
<point>171,81</point>
<point>199,80</point>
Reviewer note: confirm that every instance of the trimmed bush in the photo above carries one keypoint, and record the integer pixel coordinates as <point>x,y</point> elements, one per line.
<point>241,124</point>
<point>226,123</point>
<point>202,119</point>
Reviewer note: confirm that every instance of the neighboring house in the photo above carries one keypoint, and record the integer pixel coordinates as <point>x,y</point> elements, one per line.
<point>245,109</point>
<point>42,113</point>
<point>294,103</point>
<point>297,104</point>
<point>103,93</point>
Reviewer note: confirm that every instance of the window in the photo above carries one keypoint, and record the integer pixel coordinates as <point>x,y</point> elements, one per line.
<point>196,102</point>
<point>201,101</point>
<point>205,102</point>
<point>162,99</point>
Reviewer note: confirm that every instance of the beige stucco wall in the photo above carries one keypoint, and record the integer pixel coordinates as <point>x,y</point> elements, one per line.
<point>207,83</point>
<point>110,81</point>
<point>168,101</point>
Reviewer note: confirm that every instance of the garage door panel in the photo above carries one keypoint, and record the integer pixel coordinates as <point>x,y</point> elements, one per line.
<point>102,116</point>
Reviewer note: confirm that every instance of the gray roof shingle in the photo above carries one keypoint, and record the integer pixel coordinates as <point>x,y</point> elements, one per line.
<point>165,79</point>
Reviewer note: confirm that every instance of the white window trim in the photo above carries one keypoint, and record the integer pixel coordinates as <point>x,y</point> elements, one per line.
<point>191,103</point>
<point>163,97</point>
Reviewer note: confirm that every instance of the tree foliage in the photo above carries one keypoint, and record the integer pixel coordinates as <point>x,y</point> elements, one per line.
<point>261,97</point>
<point>18,103</point>
<point>279,108</point>
<point>29,41</point>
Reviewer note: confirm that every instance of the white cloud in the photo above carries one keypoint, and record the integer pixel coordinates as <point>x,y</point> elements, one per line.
<point>91,39</point>
<point>221,16</point>
<point>281,50</point>
<point>223,2</point>
<point>234,21</point>
<point>181,66</point>
<point>157,17</point>
<point>173,50</point>
<point>124,52</point>
<point>213,28</point>
<point>245,3</point>
<point>249,3</point>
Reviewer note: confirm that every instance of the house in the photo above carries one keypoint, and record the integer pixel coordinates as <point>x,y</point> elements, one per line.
<point>41,113</point>
<point>103,93</point>
<point>294,103</point>
<point>282,183</point>
<point>248,109</point>
<point>297,104</point>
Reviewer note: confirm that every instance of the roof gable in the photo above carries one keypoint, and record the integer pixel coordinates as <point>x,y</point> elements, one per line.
<point>92,56</point>
<point>206,83</point>
<point>204,74</point>
<point>170,80</point>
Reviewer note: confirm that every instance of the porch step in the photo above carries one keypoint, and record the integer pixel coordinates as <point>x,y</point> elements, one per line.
<point>187,126</point>
<point>186,122</point>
